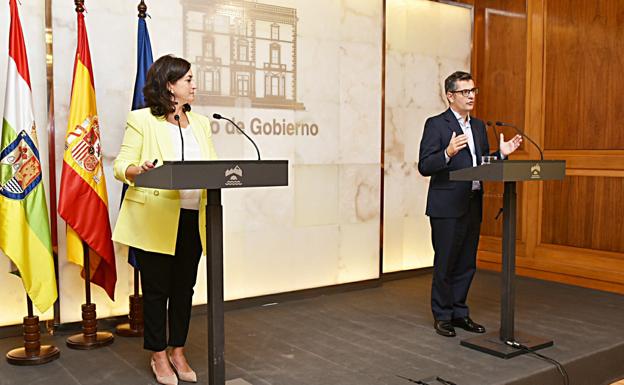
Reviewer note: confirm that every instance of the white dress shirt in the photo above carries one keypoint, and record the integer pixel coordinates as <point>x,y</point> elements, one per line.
<point>467,130</point>
<point>189,199</point>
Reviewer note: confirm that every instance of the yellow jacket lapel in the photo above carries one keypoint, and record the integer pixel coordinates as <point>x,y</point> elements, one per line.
<point>163,137</point>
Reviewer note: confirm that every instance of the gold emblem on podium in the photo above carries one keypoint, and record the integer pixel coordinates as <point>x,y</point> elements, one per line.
<point>234,176</point>
<point>535,171</point>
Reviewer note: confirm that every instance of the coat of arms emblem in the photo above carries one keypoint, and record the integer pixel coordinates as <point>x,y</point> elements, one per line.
<point>25,169</point>
<point>86,150</point>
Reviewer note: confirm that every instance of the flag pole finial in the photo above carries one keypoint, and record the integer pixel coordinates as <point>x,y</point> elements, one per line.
<point>79,6</point>
<point>142,9</point>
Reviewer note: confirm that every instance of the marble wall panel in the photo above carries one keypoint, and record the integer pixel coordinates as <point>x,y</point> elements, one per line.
<point>360,106</point>
<point>359,254</point>
<point>359,191</point>
<point>316,195</point>
<point>426,41</point>
<point>287,257</point>
<point>276,239</point>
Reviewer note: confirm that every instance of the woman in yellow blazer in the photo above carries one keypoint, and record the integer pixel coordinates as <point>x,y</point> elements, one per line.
<point>166,227</point>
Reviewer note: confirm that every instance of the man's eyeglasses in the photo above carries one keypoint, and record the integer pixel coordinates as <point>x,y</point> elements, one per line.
<point>466,92</point>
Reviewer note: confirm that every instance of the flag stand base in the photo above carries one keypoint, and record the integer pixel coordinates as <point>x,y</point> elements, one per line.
<point>134,328</point>
<point>32,353</point>
<point>90,338</point>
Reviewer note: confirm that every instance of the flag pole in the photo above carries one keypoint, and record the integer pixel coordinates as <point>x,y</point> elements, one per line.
<point>56,321</point>
<point>33,353</point>
<point>134,328</point>
<point>90,338</point>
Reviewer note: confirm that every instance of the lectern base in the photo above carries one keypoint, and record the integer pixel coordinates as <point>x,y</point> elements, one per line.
<point>490,343</point>
<point>237,381</point>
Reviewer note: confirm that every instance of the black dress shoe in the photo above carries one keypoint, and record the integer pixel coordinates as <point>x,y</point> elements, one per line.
<point>467,324</point>
<point>444,328</point>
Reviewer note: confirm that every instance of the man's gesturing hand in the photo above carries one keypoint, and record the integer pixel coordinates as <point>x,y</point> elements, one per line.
<point>456,144</point>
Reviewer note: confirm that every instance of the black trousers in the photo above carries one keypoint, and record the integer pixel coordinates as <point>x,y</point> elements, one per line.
<point>455,242</point>
<point>167,282</point>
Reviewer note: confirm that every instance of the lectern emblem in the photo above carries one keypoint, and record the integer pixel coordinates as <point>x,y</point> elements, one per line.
<point>535,171</point>
<point>234,176</point>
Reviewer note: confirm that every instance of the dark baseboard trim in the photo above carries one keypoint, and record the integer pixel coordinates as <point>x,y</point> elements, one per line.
<point>406,274</point>
<point>110,323</point>
<point>272,299</point>
<point>16,330</point>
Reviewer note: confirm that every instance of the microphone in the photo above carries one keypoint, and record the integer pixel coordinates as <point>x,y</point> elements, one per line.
<point>177,119</point>
<point>523,134</point>
<point>489,123</point>
<point>219,117</point>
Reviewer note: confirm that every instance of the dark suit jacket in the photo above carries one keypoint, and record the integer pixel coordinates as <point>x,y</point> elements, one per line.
<point>448,199</point>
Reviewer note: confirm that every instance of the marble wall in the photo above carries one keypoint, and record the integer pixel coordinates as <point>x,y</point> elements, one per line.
<point>322,229</point>
<point>426,42</point>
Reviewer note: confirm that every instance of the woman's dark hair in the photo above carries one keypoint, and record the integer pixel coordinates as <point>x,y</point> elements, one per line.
<point>167,69</point>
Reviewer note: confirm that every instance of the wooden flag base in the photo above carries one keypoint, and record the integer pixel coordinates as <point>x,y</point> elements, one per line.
<point>45,354</point>
<point>32,353</point>
<point>90,338</point>
<point>88,342</point>
<point>134,328</point>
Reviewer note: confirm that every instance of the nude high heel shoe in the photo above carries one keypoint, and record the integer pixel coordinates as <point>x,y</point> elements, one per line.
<point>184,376</point>
<point>163,380</point>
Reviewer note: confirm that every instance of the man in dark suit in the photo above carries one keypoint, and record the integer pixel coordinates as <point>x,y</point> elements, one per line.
<point>451,141</point>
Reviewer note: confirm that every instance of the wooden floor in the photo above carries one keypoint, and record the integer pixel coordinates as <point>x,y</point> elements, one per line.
<point>372,337</point>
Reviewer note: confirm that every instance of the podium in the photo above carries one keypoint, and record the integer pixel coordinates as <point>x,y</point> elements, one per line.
<point>214,176</point>
<point>509,172</point>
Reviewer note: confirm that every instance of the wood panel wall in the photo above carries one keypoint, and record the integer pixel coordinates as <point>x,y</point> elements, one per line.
<point>499,27</point>
<point>555,68</point>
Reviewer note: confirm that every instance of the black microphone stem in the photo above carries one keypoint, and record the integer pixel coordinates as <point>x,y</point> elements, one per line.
<point>177,119</point>
<point>218,116</point>
<point>489,123</point>
<point>524,135</point>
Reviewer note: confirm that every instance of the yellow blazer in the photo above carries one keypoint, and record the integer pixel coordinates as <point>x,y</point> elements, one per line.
<point>148,218</point>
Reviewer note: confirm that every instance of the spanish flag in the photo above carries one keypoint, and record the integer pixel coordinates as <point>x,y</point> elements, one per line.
<point>24,227</point>
<point>83,202</point>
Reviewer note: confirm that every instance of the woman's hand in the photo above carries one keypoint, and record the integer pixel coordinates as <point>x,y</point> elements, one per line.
<point>133,171</point>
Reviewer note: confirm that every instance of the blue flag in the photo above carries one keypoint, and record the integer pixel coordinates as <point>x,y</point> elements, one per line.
<point>144,61</point>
